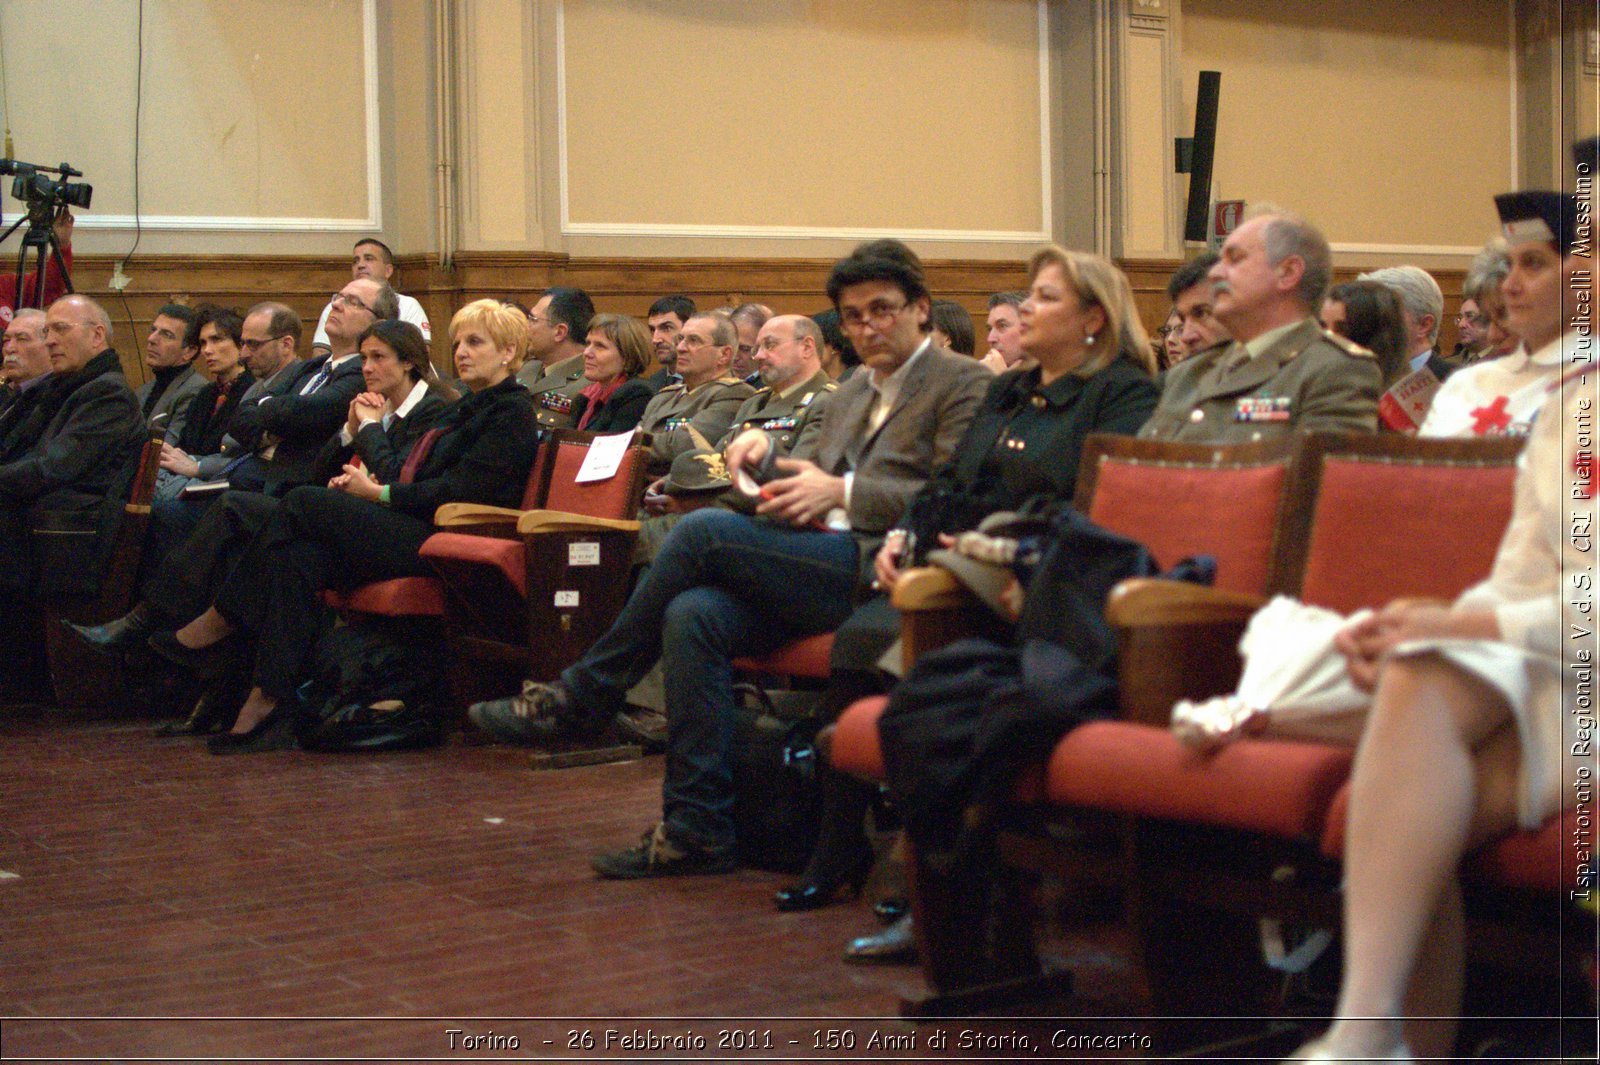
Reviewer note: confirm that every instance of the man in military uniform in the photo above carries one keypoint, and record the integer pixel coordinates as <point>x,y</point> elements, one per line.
<point>697,409</point>
<point>557,330</point>
<point>1282,372</point>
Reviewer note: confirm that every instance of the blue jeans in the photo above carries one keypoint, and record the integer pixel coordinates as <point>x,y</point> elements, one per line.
<point>722,585</point>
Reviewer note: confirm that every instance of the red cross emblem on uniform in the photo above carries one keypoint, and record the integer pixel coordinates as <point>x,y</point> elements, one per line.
<point>1583,469</point>
<point>1491,419</point>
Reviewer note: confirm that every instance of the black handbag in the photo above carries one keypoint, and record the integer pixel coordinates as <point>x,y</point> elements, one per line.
<point>777,806</point>
<point>373,690</point>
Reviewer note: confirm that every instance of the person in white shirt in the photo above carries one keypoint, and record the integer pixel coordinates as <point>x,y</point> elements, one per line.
<point>373,260</point>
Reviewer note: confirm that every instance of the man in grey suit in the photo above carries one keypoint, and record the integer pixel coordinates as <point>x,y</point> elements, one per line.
<point>170,351</point>
<point>726,584</point>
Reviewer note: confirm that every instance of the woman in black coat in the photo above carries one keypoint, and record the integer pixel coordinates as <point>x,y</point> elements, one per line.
<point>615,359</point>
<point>1090,372</point>
<point>359,530</point>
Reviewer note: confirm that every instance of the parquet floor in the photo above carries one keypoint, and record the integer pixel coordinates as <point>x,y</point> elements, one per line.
<point>160,903</point>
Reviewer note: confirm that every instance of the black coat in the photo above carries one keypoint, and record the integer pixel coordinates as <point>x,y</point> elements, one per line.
<point>382,451</point>
<point>208,423</point>
<point>301,424</point>
<point>617,414</point>
<point>1022,448</point>
<point>483,454</point>
<point>72,480</point>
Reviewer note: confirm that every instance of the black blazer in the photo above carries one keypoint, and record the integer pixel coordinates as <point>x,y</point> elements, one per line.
<point>1022,448</point>
<point>617,414</point>
<point>302,424</point>
<point>383,451</point>
<point>484,454</point>
<point>208,424</point>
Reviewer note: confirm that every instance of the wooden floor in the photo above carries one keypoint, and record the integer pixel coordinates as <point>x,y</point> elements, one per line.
<point>155,898</point>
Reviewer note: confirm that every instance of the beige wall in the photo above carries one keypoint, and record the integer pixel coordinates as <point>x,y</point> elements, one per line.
<point>1389,123</point>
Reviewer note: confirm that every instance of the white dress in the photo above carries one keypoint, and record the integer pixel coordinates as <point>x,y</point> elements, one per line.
<point>1542,580</point>
<point>1498,396</point>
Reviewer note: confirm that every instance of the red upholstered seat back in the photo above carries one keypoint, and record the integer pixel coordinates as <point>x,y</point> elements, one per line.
<point>616,497</point>
<point>144,478</point>
<point>1182,509</point>
<point>1384,530</point>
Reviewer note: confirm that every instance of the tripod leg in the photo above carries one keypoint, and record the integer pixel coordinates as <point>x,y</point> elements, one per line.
<point>61,265</point>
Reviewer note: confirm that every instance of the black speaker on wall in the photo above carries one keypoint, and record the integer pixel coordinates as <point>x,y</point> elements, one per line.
<point>1201,153</point>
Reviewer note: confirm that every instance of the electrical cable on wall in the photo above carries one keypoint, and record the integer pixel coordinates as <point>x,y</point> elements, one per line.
<point>119,280</point>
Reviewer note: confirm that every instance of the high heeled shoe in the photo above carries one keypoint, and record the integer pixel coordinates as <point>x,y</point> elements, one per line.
<point>272,733</point>
<point>130,630</point>
<point>212,662</point>
<point>818,891</point>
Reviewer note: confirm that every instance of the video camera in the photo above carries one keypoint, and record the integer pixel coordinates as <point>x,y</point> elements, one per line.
<point>46,195</point>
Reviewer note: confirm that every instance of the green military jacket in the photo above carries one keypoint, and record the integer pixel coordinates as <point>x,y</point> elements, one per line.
<point>1307,380</point>
<point>554,388</point>
<point>673,411</point>
<point>792,422</point>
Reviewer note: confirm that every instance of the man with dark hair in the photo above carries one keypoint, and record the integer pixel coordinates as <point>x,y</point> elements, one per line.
<point>373,259</point>
<point>665,321</point>
<point>553,371</point>
<point>1282,373</point>
<point>1190,293</point>
<point>697,409</point>
<point>1005,331</point>
<point>725,584</point>
<point>169,351</point>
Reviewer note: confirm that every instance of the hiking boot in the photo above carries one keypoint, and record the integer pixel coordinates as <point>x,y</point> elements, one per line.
<point>532,716</point>
<point>658,855</point>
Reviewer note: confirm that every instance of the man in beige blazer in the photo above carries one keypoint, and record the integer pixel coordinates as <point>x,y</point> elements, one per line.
<point>726,584</point>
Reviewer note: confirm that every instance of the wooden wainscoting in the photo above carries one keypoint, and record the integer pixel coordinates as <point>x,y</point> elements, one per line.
<point>789,286</point>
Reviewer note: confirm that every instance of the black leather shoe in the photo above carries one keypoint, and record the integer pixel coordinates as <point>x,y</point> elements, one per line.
<point>895,945</point>
<point>891,910</point>
<point>206,663</point>
<point>815,893</point>
<point>128,631</point>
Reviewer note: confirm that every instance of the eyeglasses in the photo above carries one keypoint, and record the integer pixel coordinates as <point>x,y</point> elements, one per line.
<point>352,301</point>
<point>253,346</point>
<point>534,318</point>
<point>876,314</point>
<point>1479,320</point>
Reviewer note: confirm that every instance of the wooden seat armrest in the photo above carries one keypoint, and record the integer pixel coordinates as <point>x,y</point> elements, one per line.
<point>1175,641</point>
<point>930,588</point>
<point>534,522</point>
<point>453,515</point>
<point>1145,601</point>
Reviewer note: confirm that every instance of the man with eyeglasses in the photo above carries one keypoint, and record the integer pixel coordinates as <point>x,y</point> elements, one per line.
<point>698,409</point>
<point>553,371</point>
<point>1472,335</point>
<point>726,584</point>
<point>748,318</point>
<point>372,259</point>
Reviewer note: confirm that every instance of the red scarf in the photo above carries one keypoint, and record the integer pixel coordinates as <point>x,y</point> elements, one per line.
<point>597,394</point>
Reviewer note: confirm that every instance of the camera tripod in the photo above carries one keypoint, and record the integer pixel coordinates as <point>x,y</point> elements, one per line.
<point>41,239</point>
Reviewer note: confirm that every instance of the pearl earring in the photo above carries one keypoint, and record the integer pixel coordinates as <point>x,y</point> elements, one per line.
<point>1088,340</point>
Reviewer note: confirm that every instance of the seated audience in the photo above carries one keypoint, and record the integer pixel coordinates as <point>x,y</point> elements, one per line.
<point>372,260</point>
<point>358,530</point>
<point>1089,372</point>
<point>170,351</point>
<point>665,320</point>
<point>953,329</point>
<point>1500,396</point>
<point>839,358</point>
<point>1190,290</point>
<point>1422,308</point>
<point>1005,331</point>
<point>24,373</point>
<point>614,362</point>
<point>553,373</point>
<point>1281,373</point>
<point>1368,313</point>
<point>726,584</point>
<point>697,409</point>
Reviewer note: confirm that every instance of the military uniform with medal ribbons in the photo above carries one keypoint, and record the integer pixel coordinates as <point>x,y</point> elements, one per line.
<point>1304,379</point>
<point>554,389</point>
<point>679,420</point>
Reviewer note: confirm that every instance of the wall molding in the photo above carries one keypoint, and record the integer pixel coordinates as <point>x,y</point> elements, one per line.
<point>743,232</point>
<point>257,223</point>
